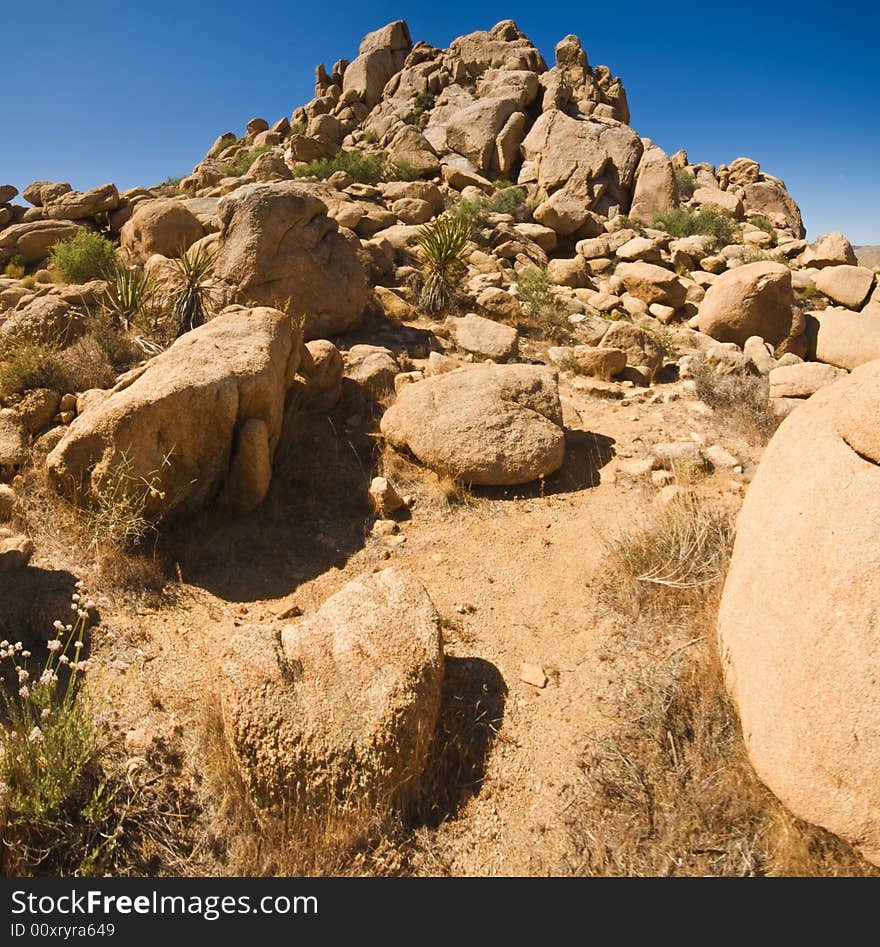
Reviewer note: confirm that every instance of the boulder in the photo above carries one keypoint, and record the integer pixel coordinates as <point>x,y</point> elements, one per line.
<point>278,247</point>
<point>753,299</point>
<point>715,197</point>
<point>372,368</point>
<point>798,624</point>
<point>563,213</point>
<point>342,705</point>
<point>473,131</point>
<point>831,249</point>
<point>843,338</point>
<point>655,188</point>
<point>596,361</point>
<point>771,199</point>
<point>46,319</point>
<point>367,75</point>
<point>8,192</point>
<point>802,381</point>
<point>78,205</point>
<point>13,443</point>
<point>484,337</point>
<point>33,240</point>
<point>641,348</point>
<point>572,272</point>
<point>149,435</point>
<point>652,283</point>
<point>166,227</point>
<point>849,286</point>
<point>322,366</point>
<point>15,551</point>
<point>605,157</point>
<point>490,425</point>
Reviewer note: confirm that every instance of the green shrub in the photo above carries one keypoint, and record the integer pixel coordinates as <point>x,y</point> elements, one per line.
<point>173,181</point>
<point>508,200</point>
<point>709,221</point>
<point>762,222</point>
<point>370,137</point>
<point>364,168</point>
<point>443,246</point>
<point>403,170</point>
<point>686,182</point>
<point>226,141</point>
<point>85,256</point>
<point>298,128</point>
<point>241,163</point>
<point>15,267</point>
<point>534,289</point>
<point>422,103</point>
<point>471,212</point>
<point>810,290</point>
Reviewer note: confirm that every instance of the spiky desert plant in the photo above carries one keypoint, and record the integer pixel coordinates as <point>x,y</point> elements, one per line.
<point>131,297</point>
<point>192,300</point>
<point>443,247</point>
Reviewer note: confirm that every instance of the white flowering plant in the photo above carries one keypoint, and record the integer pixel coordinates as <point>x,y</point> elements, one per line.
<point>48,738</point>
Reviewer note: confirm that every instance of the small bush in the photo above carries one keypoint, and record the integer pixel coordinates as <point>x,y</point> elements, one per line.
<point>241,163</point>
<point>762,222</point>
<point>709,221</point>
<point>444,246</point>
<point>686,182</point>
<point>226,141</point>
<point>173,181</point>
<point>14,269</point>
<point>131,297</point>
<point>422,104</point>
<point>26,363</point>
<point>667,340</point>
<point>742,400</point>
<point>364,168</point>
<point>370,136</point>
<point>507,200</point>
<point>683,546</point>
<point>534,289</point>
<point>403,171</point>
<point>810,291</point>
<point>85,256</point>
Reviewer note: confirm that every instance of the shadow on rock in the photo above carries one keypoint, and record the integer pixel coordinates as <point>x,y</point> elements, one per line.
<point>471,712</point>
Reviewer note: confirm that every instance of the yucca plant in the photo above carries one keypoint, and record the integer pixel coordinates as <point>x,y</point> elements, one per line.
<point>131,297</point>
<point>444,246</point>
<point>192,300</point>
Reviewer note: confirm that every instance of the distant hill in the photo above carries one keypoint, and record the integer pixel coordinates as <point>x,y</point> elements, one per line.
<point>868,256</point>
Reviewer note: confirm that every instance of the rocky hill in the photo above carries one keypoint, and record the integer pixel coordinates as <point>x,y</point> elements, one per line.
<point>473,261</point>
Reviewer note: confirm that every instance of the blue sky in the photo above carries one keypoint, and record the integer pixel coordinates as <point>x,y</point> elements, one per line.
<point>134,92</point>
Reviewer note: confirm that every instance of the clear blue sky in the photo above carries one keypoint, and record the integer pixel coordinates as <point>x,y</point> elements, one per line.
<point>134,92</point>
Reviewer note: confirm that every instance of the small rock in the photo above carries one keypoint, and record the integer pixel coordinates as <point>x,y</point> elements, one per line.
<point>533,674</point>
<point>384,497</point>
<point>15,552</point>
<point>384,528</point>
<point>7,502</point>
<point>683,456</point>
<point>720,458</point>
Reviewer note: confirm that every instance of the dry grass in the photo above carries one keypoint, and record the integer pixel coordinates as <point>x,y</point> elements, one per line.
<point>741,399</point>
<point>671,791</point>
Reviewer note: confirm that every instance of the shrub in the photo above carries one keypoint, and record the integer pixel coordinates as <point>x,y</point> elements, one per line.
<point>686,182</point>
<point>507,200</point>
<point>683,546</point>
<point>443,246</point>
<point>472,213</point>
<point>14,269</point>
<point>742,400</point>
<point>85,256</point>
<point>370,136</point>
<point>173,181</point>
<point>668,343</point>
<point>365,168</point>
<point>403,171</point>
<point>422,103</point>
<point>226,141</point>
<point>241,163</point>
<point>192,299</point>
<point>534,289</point>
<point>709,221</point>
<point>26,363</point>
